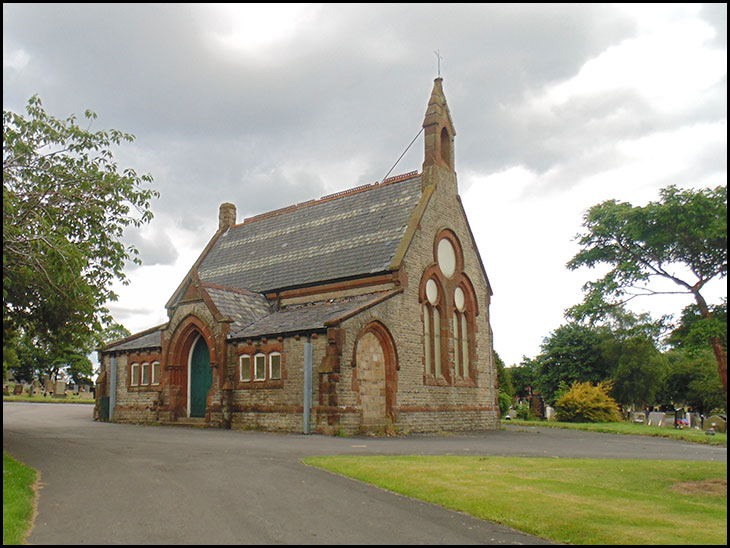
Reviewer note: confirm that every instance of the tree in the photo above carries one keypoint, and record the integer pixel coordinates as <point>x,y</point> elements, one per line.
<point>639,374</point>
<point>65,206</point>
<point>573,353</point>
<point>37,358</point>
<point>524,378</point>
<point>693,330</point>
<point>686,229</point>
<point>692,380</point>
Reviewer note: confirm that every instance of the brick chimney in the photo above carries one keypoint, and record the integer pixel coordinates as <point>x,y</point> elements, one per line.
<point>226,216</point>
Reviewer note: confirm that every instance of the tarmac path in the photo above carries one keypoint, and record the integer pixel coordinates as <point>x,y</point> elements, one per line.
<point>104,483</point>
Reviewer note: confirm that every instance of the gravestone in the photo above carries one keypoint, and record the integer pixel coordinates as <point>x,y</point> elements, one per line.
<point>656,418</point>
<point>717,422</point>
<point>59,389</point>
<point>549,413</point>
<point>18,391</point>
<point>36,388</point>
<point>638,417</point>
<point>695,421</point>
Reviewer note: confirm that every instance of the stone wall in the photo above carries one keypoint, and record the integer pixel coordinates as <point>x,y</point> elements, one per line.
<point>275,406</point>
<point>421,407</point>
<point>416,406</point>
<point>133,403</point>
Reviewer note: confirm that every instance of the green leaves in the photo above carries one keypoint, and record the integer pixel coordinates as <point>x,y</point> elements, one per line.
<point>66,204</point>
<point>686,229</point>
<point>681,238</point>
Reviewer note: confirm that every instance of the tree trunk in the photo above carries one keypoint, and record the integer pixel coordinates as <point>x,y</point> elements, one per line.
<point>721,361</point>
<point>716,344</point>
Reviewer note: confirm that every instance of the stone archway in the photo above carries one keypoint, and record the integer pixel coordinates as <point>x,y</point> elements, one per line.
<point>191,344</point>
<point>376,369</point>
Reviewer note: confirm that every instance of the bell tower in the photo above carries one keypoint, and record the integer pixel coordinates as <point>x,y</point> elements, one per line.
<point>438,162</point>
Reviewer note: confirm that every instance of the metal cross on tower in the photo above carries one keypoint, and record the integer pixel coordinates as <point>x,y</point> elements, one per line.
<point>438,56</point>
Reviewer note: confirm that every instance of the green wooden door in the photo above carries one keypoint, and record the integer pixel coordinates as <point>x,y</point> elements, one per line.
<point>201,377</point>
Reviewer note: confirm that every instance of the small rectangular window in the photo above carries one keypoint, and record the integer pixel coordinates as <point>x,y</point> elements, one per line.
<point>245,366</point>
<point>259,367</point>
<point>134,375</point>
<point>145,373</point>
<point>155,372</point>
<point>275,366</point>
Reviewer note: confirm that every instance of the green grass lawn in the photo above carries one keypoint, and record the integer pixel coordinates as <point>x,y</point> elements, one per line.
<point>691,435</point>
<point>42,399</point>
<point>18,500</point>
<point>576,501</point>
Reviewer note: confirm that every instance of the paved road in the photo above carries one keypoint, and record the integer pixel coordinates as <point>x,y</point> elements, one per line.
<point>107,483</point>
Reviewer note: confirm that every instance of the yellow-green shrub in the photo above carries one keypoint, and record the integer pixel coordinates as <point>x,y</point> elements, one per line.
<point>587,403</point>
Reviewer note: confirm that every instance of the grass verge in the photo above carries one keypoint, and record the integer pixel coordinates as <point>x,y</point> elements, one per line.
<point>576,501</point>
<point>42,399</point>
<point>691,435</point>
<point>18,500</point>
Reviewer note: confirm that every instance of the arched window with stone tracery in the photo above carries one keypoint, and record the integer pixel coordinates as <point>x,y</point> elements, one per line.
<point>449,310</point>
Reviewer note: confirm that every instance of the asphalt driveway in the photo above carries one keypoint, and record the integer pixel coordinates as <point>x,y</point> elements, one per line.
<point>105,483</point>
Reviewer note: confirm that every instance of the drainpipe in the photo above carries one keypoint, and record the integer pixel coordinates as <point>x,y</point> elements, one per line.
<point>307,402</point>
<point>113,387</point>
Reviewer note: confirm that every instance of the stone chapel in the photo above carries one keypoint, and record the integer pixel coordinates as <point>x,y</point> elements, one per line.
<point>363,311</point>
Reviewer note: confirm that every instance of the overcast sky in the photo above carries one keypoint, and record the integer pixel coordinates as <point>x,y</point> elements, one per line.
<point>556,108</point>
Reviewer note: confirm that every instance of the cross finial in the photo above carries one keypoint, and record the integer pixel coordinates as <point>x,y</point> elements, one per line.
<point>438,57</point>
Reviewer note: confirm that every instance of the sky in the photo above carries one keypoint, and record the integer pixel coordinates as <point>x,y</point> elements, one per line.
<point>556,108</point>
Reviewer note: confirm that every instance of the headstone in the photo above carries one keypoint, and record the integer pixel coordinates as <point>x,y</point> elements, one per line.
<point>35,388</point>
<point>86,395</point>
<point>656,418</point>
<point>59,389</point>
<point>638,417</point>
<point>695,421</point>
<point>717,422</point>
<point>18,391</point>
<point>549,413</point>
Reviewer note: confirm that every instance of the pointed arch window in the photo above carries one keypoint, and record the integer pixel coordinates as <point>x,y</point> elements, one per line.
<point>449,311</point>
<point>446,148</point>
<point>432,329</point>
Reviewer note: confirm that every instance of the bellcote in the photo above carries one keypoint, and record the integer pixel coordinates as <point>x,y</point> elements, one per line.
<point>439,135</point>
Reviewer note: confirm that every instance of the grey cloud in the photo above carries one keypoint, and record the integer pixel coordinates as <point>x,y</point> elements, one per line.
<point>716,15</point>
<point>353,84</point>
<point>154,249</point>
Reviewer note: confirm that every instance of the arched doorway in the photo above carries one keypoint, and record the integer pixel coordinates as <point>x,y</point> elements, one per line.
<point>200,377</point>
<point>376,362</point>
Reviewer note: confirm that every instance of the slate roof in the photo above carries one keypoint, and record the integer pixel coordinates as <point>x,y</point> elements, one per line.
<point>151,338</point>
<point>309,316</point>
<point>244,307</point>
<point>350,234</point>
